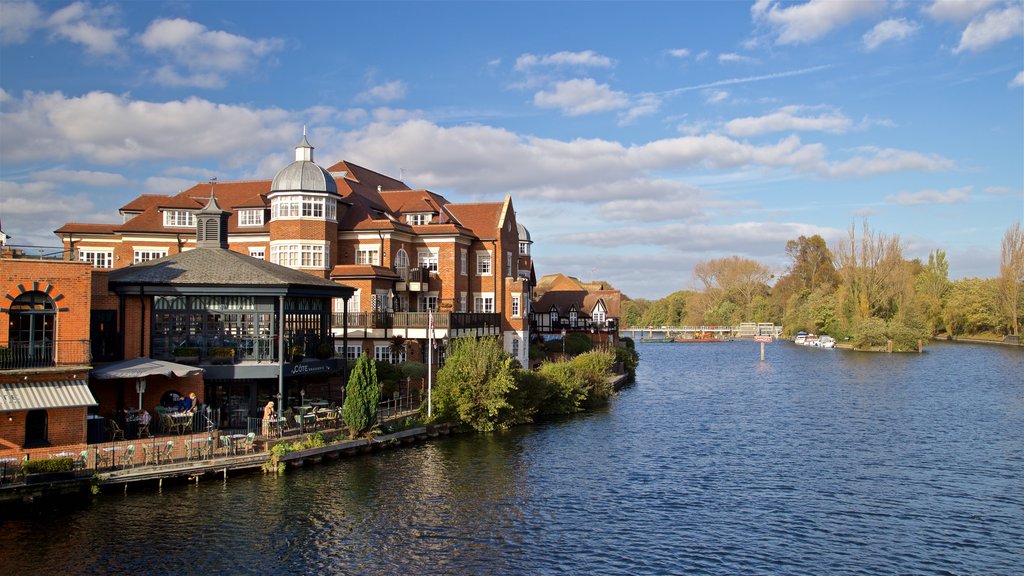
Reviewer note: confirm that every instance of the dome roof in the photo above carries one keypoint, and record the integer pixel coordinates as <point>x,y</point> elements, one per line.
<point>304,174</point>
<point>524,234</point>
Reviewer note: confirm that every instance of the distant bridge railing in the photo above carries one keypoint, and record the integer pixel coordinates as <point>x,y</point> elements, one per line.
<point>743,330</point>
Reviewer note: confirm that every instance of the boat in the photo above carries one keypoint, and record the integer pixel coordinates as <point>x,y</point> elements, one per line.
<point>814,341</point>
<point>656,340</point>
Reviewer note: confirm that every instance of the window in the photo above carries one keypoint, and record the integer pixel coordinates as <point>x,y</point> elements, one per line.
<point>515,306</point>
<point>250,217</point>
<point>417,219</point>
<point>508,263</point>
<point>367,256</point>
<point>427,258</point>
<point>598,316</point>
<point>147,254</point>
<point>572,317</point>
<point>515,347</point>
<point>354,351</point>
<point>353,304</point>
<point>383,353</point>
<point>484,303</point>
<point>524,249</point>
<point>31,328</point>
<point>98,258</point>
<point>428,302</point>
<point>462,302</point>
<point>179,219</point>
<point>402,264</point>
<point>303,207</point>
<point>299,255</point>
<point>260,252</point>
<point>483,263</point>
<point>554,317</point>
<point>463,266</point>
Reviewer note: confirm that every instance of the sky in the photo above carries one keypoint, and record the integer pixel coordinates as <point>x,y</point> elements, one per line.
<point>636,139</point>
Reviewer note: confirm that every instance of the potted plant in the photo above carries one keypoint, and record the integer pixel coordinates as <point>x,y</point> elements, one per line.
<point>296,352</point>
<point>186,354</point>
<point>222,355</point>
<point>49,470</point>
<point>324,351</point>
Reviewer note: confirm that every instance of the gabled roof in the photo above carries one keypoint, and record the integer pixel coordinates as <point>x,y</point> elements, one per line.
<point>205,268</point>
<point>563,300</point>
<point>143,202</point>
<point>403,201</point>
<point>481,219</point>
<point>82,228</point>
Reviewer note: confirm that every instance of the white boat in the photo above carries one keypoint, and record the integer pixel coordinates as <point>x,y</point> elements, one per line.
<point>813,340</point>
<point>801,337</point>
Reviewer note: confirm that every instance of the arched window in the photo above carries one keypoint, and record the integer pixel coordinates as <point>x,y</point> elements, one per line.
<point>36,429</point>
<point>31,330</point>
<point>402,264</point>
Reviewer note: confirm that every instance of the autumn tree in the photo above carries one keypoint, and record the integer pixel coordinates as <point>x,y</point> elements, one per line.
<point>875,280</point>
<point>731,286</point>
<point>931,286</point>
<point>1011,276</point>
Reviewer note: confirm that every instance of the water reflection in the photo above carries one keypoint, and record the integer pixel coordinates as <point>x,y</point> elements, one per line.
<point>816,461</point>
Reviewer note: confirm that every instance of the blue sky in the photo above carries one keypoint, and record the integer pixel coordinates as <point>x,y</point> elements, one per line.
<point>636,139</point>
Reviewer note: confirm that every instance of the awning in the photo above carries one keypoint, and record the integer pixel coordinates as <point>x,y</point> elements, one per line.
<point>142,367</point>
<point>43,395</point>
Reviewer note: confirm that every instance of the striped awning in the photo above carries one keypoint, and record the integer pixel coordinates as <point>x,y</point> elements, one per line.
<point>44,395</point>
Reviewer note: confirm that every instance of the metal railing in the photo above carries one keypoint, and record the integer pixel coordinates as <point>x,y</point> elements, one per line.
<point>46,354</point>
<point>442,320</point>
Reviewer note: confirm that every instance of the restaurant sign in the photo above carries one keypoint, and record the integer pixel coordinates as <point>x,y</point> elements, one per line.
<point>308,366</point>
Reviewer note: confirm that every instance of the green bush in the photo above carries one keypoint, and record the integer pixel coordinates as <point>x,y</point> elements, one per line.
<point>627,342</point>
<point>49,465</point>
<point>413,369</point>
<point>630,359</point>
<point>362,396</point>
<point>576,344</point>
<point>869,333</point>
<point>186,351</point>
<point>904,337</point>
<point>222,351</point>
<point>537,351</point>
<point>594,369</point>
<point>475,385</point>
<point>566,389</point>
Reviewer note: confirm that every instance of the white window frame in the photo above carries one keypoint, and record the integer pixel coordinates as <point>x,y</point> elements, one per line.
<point>250,217</point>
<point>462,302</point>
<point>484,263</point>
<point>484,303</point>
<point>402,264</point>
<point>508,263</point>
<point>99,258</point>
<point>428,258</point>
<point>598,317</point>
<point>368,255</point>
<point>463,262</point>
<point>354,351</point>
<point>524,248</point>
<point>516,306</point>
<point>418,219</point>
<point>179,219</point>
<point>297,255</point>
<point>258,252</point>
<point>140,255</point>
<point>515,347</point>
<point>428,301</point>
<point>299,206</point>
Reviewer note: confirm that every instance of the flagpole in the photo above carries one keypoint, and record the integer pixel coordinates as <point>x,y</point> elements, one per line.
<point>430,360</point>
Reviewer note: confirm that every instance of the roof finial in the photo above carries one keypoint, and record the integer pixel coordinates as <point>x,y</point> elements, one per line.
<point>213,181</point>
<point>303,130</point>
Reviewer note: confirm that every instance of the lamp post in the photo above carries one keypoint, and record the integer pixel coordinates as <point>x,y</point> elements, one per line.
<point>563,343</point>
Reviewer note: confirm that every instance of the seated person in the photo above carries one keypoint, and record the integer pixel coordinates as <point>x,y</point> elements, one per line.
<point>185,404</point>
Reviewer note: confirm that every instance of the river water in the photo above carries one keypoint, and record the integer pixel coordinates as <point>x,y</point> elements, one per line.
<point>814,462</point>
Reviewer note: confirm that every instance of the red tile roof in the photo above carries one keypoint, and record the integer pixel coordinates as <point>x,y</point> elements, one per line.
<point>362,271</point>
<point>481,219</point>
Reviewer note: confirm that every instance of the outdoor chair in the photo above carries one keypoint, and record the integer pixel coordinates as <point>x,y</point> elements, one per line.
<point>167,423</point>
<point>250,439</point>
<point>128,458</point>
<point>149,451</point>
<point>114,431</point>
<point>207,449</point>
<point>104,458</point>
<point>144,428</point>
<point>188,449</point>
<point>165,452</point>
<point>79,463</point>
<point>186,424</point>
<point>225,443</point>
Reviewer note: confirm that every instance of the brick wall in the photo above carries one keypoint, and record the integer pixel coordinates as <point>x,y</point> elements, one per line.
<point>69,284</point>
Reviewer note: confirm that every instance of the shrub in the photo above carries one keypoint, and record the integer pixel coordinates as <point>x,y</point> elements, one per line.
<point>361,396</point>
<point>630,360</point>
<point>49,465</point>
<point>475,384</point>
<point>627,343</point>
<point>222,351</point>
<point>185,351</point>
<point>594,369</point>
<point>904,337</point>
<point>537,351</point>
<point>869,333</point>
<point>576,344</point>
<point>413,369</point>
<point>566,389</point>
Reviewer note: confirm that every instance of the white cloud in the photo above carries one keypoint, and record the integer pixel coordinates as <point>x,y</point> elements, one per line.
<point>585,59</point>
<point>204,54</point>
<point>82,24</point>
<point>387,92</point>
<point>86,177</point>
<point>957,10</point>
<point>715,96</point>
<point>893,30</point>
<point>1018,80</point>
<point>885,161</point>
<point>679,53</point>
<point>731,57</point>
<point>991,28</point>
<point>810,21</point>
<point>33,210</point>
<point>951,196</point>
<point>18,20</point>
<point>581,96</point>
<point>166,185</point>
<point>645,105</point>
<point>789,118</point>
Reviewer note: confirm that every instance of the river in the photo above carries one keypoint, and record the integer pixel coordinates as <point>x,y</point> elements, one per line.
<point>814,462</point>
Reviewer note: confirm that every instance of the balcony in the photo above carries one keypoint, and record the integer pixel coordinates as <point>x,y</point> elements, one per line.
<point>418,281</point>
<point>48,354</point>
<point>442,320</point>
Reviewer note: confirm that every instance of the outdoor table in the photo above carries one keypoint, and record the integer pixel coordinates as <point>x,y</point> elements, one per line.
<point>181,419</point>
<point>200,446</point>
<point>234,439</point>
<point>111,455</point>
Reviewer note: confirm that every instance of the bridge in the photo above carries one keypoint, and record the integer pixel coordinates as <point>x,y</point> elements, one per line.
<point>743,330</point>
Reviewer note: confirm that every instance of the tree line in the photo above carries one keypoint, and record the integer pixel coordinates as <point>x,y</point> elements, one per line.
<point>864,291</point>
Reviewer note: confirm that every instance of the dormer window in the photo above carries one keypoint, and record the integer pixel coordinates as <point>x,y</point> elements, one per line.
<point>294,207</point>
<point>572,316</point>
<point>250,217</point>
<point>179,219</point>
<point>524,248</point>
<point>417,219</point>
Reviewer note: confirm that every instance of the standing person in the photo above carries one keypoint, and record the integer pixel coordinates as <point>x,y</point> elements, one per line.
<point>194,401</point>
<point>186,402</point>
<point>268,415</point>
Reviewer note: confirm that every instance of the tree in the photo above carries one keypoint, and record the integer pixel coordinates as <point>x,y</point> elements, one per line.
<point>361,397</point>
<point>875,280</point>
<point>1011,276</point>
<point>971,306</point>
<point>812,265</point>
<point>931,286</point>
<point>475,385</point>
<point>735,280</point>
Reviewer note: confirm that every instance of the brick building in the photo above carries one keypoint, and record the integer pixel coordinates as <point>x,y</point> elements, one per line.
<point>405,252</point>
<point>44,353</point>
<point>565,305</point>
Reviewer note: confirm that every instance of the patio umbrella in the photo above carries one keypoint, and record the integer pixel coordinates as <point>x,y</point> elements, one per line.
<point>140,368</point>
